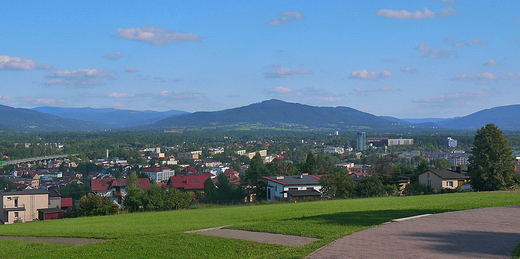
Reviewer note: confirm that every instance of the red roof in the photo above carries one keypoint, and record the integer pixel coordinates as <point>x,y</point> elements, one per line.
<point>195,182</point>
<point>108,184</point>
<point>66,202</point>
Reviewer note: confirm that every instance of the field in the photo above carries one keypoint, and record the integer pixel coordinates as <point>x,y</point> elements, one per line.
<point>160,234</point>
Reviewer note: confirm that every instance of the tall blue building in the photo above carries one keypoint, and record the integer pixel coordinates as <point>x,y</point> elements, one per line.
<point>361,141</point>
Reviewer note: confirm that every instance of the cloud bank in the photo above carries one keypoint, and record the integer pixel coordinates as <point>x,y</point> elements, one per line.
<point>19,64</point>
<point>426,13</point>
<point>155,35</point>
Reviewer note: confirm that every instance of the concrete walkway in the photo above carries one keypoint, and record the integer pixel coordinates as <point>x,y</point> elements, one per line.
<point>479,233</point>
<point>269,238</point>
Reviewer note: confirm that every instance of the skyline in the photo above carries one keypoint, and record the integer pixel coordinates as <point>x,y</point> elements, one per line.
<point>411,59</point>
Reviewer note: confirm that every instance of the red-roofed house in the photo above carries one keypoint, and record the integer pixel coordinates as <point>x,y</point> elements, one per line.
<point>114,189</point>
<point>159,174</point>
<point>189,182</point>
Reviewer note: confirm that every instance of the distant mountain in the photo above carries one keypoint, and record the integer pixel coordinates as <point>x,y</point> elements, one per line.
<point>113,117</point>
<point>425,120</point>
<point>505,117</point>
<point>33,121</point>
<point>279,114</point>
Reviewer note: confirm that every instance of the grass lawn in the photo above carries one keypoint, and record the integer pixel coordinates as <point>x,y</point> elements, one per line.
<point>160,234</point>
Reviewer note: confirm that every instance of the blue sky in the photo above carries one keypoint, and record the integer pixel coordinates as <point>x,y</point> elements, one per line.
<point>407,59</point>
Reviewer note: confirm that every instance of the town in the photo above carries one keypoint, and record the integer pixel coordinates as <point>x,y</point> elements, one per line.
<point>222,169</point>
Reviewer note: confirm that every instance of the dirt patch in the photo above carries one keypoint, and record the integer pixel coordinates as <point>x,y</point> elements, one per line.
<point>57,240</point>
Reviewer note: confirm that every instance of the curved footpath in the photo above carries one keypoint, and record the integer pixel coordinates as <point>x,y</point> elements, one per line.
<point>479,233</point>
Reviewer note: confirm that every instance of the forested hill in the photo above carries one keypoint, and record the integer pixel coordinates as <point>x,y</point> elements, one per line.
<point>21,119</point>
<point>280,114</point>
<point>505,117</point>
<point>113,117</point>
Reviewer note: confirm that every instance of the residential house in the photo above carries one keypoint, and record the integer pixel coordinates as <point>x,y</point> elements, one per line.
<point>115,189</point>
<point>22,205</point>
<point>443,178</point>
<point>295,187</point>
<point>188,182</point>
<point>159,174</point>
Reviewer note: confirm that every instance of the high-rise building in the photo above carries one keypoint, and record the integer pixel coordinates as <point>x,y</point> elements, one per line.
<point>361,141</point>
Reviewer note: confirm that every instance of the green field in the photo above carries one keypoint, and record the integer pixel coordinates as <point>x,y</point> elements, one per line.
<point>160,234</point>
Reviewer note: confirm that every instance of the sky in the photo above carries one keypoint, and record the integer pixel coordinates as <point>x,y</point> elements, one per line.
<point>406,58</point>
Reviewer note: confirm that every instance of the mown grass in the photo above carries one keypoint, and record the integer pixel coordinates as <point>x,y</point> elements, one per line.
<point>161,234</point>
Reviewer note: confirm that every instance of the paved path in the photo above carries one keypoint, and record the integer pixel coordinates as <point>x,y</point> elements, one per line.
<point>277,239</point>
<point>478,233</point>
<point>58,240</point>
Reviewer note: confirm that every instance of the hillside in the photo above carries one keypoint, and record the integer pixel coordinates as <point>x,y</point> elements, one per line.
<point>280,114</point>
<point>505,117</point>
<point>27,120</point>
<point>113,117</point>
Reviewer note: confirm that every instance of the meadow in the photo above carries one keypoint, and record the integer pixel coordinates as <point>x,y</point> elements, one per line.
<point>161,234</point>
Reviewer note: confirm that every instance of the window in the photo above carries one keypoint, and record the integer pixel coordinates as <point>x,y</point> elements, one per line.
<point>275,188</point>
<point>429,182</point>
<point>428,175</point>
<point>449,184</point>
<point>16,215</point>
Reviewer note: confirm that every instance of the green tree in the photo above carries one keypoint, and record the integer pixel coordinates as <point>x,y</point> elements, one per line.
<point>491,163</point>
<point>423,166</point>
<point>132,180</point>
<point>210,191</point>
<point>442,163</point>
<point>310,164</point>
<point>338,185</point>
<point>371,187</point>
<point>93,205</point>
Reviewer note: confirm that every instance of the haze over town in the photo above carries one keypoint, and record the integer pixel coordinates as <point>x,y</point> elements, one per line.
<point>407,59</point>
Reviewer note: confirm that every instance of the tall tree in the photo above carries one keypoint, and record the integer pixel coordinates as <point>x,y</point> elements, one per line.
<point>492,163</point>
<point>310,164</point>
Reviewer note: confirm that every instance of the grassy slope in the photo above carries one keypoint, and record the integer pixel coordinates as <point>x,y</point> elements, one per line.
<point>161,234</point>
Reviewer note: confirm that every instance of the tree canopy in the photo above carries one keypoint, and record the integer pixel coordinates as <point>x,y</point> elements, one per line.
<point>492,163</point>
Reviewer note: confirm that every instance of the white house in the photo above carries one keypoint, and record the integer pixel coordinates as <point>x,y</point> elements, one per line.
<point>300,187</point>
<point>159,174</point>
<point>337,150</point>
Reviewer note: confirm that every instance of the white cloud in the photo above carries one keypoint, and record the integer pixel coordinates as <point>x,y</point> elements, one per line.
<point>409,70</point>
<point>78,78</point>
<point>479,42</point>
<point>315,95</point>
<point>17,63</point>
<point>131,69</point>
<point>487,76</point>
<point>120,95</point>
<point>116,56</point>
<point>5,99</point>
<point>460,43</point>
<point>40,101</point>
<point>280,90</point>
<point>179,95</point>
<point>286,72</point>
<point>155,35</point>
<point>427,13</point>
<point>365,75</point>
<point>466,97</point>
<point>365,92</point>
<point>286,17</point>
<point>492,63</point>
<point>433,52</point>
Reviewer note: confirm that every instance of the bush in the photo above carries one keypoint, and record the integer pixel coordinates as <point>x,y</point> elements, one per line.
<point>94,205</point>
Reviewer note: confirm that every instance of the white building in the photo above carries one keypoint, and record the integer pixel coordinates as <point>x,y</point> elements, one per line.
<point>159,174</point>
<point>337,150</point>
<point>300,187</point>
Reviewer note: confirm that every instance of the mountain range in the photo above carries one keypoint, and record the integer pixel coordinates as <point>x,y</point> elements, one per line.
<point>108,116</point>
<point>267,114</point>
